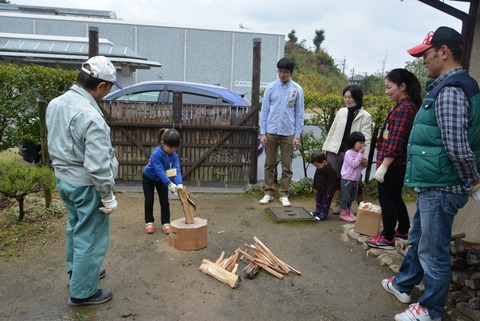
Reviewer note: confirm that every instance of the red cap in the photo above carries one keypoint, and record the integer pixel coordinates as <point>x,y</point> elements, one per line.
<point>442,36</point>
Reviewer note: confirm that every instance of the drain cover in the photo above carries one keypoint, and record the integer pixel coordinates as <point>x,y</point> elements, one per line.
<point>290,214</point>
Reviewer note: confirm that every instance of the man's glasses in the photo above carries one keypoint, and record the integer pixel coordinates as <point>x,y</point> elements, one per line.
<point>283,72</point>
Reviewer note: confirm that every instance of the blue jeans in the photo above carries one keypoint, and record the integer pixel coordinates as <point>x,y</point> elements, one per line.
<point>349,193</point>
<point>429,255</point>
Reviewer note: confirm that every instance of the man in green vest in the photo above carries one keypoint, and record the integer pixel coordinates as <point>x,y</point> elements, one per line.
<point>443,161</point>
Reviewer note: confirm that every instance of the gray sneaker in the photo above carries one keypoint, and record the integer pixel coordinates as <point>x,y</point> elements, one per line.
<point>101,296</point>
<point>388,286</point>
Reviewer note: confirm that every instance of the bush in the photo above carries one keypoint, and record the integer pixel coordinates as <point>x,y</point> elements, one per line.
<point>17,180</point>
<point>299,188</point>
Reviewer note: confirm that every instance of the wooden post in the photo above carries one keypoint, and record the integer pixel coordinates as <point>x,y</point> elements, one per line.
<point>257,50</point>
<point>42,106</point>
<point>93,41</point>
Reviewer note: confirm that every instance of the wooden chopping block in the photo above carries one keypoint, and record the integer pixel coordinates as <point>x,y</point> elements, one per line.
<point>188,237</point>
<point>219,273</point>
<point>187,208</point>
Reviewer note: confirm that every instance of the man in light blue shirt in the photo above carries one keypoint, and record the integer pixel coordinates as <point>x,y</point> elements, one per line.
<point>281,123</point>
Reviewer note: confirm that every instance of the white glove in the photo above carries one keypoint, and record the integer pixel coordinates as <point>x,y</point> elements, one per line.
<point>109,206</point>
<point>476,192</point>
<point>172,188</point>
<point>476,195</point>
<point>380,173</point>
<point>179,186</point>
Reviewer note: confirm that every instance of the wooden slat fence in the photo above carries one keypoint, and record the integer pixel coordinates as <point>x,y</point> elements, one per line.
<point>217,141</point>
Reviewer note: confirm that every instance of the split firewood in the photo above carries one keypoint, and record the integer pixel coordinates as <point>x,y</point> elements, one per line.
<point>186,205</point>
<point>250,270</point>
<point>219,273</point>
<point>262,257</point>
<point>233,261</point>
<point>283,264</point>
<point>220,258</point>
<point>268,269</point>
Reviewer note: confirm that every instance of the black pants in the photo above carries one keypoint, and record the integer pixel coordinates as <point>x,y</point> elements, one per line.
<point>391,202</point>
<point>149,193</point>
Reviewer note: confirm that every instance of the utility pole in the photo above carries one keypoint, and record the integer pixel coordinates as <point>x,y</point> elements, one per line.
<point>343,64</point>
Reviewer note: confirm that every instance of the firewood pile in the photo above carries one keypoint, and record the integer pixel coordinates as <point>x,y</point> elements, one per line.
<point>465,282</point>
<point>260,257</point>
<point>263,258</point>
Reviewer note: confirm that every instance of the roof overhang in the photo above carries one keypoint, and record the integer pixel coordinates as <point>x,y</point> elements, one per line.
<point>66,52</point>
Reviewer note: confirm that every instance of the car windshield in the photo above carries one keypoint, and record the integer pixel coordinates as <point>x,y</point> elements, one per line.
<point>149,96</point>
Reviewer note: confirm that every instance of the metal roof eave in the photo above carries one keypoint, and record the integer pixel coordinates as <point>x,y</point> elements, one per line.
<point>75,59</point>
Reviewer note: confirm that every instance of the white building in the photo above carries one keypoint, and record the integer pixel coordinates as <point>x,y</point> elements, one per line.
<point>51,36</point>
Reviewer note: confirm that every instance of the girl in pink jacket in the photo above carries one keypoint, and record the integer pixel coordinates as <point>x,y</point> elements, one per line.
<point>351,171</point>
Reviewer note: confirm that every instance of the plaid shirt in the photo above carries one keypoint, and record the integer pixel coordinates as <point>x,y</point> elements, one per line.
<point>452,109</point>
<point>393,138</point>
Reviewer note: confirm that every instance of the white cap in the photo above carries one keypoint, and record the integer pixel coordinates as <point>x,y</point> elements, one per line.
<point>102,68</point>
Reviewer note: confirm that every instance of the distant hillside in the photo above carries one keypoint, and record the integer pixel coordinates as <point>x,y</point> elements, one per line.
<point>315,71</point>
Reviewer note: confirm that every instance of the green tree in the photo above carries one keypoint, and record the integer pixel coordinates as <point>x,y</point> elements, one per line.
<point>417,68</point>
<point>17,113</point>
<point>17,180</point>
<point>378,107</point>
<point>315,71</point>
<point>318,39</point>
<point>373,85</point>
<point>292,37</point>
<point>21,88</point>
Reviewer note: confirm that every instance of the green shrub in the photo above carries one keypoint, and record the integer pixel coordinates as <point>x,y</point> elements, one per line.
<point>18,179</point>
<point>299,188</point>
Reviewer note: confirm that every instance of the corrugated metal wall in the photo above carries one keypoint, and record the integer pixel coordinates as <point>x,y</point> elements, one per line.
<point>187,54</point>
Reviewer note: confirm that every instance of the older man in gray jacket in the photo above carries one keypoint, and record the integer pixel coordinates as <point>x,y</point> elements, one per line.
<point>85,166</point>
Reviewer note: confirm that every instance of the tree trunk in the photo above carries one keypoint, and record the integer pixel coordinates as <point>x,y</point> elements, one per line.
<point>44,143</point>
<point>20,208</point>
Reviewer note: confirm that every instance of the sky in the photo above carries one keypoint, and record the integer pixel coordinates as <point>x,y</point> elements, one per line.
<point>363,36</point>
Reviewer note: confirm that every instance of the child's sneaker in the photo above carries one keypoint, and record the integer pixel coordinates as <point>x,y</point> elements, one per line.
<point>318,216</point>
<point>400,236</point>
<point>352,216</point>
<point>380,242</point>
<point>149,229</point>
<point>388,286</point>
<point>344,216</point>
<point>415,312</point>
<point>166,229</point>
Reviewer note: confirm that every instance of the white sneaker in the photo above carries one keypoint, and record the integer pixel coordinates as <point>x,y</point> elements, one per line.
<point>266,199</point>
<point>415,312</point>
<point>388,286</point>
<point>285,202</point>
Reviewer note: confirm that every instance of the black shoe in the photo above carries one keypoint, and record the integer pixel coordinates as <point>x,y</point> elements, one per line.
<point>101,296</point>
<point>101,275</point>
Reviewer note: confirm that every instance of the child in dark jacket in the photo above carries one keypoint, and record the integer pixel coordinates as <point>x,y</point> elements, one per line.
<point>324,184</point>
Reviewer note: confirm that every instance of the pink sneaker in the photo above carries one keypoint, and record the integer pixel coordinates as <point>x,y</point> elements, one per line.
<point>149,229</point>
<point>166,229</point>
<point>344,216</point>
<point>380,242</point>
<point>352,216</point>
